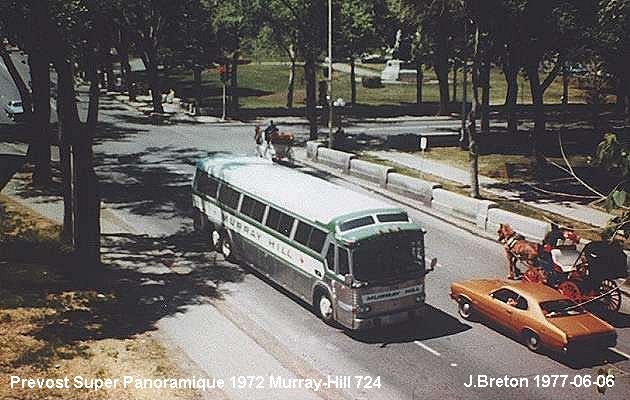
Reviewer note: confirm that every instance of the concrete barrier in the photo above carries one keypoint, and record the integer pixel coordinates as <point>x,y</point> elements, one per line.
<point>335,158</point>
<point>463,207</point>
<point>414,188</point>
<point>373,172</point>
<point>532,229</point>
<point>312,147</point>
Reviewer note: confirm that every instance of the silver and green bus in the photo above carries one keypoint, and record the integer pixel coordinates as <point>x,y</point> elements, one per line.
<point>357,260</point>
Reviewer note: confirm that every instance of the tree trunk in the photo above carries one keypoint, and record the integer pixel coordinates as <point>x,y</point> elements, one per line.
<point>234,100</point>
<point>441,65</point>
<point>511,78</point>
<point>85,203</point>
<point>40,79</point>
<point>311,95</point>
<point>149,60</point>
<point>123,52</point>
<point>197,80</point>
<point>353,82</point>
<point>565,83</point>
<point>65,164</point>
<point>454,81</point>
<point>441,70</point>
<point>419,79</point>
<point>291,85</point>
<point>539,113</point>
<point>485,96</point>
<point>473,147</point>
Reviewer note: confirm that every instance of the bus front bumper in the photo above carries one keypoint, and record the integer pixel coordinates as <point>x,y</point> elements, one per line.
<point>389,319</point>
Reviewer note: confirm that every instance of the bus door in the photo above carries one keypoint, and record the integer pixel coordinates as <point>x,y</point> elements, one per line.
<point>342,292</point>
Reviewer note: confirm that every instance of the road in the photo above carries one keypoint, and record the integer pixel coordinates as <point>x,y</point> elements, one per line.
<point>146,172</point>
<point>8,90</point>
<point>231,322</point>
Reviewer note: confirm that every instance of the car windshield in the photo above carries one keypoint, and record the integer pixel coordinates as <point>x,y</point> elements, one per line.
<point>561,308</point>
<point>388,257</point>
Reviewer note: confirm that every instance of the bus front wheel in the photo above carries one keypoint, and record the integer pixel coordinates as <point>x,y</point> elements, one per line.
<point>325,308</point>
<point>215,239</point>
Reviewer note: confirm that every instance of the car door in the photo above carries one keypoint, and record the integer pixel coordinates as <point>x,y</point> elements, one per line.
<point>499,310</point>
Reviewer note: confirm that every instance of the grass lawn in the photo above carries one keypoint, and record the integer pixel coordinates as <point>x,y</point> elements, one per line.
<point>265,86</point>
<point>51,327</point>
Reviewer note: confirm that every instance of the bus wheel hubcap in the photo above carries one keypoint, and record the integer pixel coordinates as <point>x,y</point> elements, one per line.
<point>325,307</point>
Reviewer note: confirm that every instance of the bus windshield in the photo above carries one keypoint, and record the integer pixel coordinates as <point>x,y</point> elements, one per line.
<point>388,257</point>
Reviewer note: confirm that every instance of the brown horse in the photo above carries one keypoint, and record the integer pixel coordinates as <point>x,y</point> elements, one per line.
<point>517,249</point>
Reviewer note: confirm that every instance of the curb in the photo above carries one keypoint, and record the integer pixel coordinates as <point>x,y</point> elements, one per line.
<point>396,197</point>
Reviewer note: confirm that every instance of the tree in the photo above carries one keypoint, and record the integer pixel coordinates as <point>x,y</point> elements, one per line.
<point>148,22</point>
<point>234,21</point>
<point>354,33</point>
<point>307,18</point>
<point>611,42</point>
<point>435,19</point>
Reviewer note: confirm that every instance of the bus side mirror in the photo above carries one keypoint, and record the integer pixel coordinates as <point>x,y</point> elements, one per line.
<point>432,265</point>
<point>347,280</point>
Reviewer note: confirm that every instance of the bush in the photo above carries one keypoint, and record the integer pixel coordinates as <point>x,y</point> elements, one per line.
<point>371,82</point>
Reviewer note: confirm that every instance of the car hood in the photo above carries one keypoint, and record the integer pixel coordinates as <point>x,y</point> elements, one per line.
<point>581,325</point>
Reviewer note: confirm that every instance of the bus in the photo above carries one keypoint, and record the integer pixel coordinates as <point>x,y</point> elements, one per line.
<point>356,260</point>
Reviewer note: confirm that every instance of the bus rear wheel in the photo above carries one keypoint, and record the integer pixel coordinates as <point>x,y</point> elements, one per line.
<point>226,248</point>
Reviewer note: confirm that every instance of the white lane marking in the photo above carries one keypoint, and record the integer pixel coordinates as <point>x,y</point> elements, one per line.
<point>621,353</point>
<point>427,348</point>
<point>453,364</point>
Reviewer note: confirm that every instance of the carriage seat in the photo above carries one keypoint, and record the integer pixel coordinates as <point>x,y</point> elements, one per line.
<point>565,258</point>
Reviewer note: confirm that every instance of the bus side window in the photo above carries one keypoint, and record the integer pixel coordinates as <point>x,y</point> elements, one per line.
<point>342,261</point>
<point>316,241</point>
<point>302,232</point>
<point>273,217</point>
<point>229,197</point>
<point>285,224</point>
<point>330,257</point>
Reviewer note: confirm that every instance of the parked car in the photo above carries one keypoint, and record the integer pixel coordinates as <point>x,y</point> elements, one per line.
<point>14,109</point>
<point>537,314</point>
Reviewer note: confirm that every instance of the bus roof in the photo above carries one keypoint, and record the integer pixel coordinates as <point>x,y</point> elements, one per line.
<point>302,194</point>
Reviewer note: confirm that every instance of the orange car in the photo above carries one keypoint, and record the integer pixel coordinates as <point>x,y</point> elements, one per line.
<point>538,314</point>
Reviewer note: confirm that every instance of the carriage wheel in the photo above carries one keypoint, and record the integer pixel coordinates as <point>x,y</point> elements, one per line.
<point>570,290</point>
<point>534,275</point>
<point>612,302</point>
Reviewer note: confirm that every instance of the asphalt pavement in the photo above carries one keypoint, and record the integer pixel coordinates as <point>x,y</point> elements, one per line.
<point>246,326</point>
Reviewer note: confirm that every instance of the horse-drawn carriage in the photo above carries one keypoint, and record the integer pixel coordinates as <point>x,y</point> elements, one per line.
<point>273,144</point>
<point>583,276</point>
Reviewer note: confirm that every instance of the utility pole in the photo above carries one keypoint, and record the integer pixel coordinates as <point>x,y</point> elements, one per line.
<point>331,134</point>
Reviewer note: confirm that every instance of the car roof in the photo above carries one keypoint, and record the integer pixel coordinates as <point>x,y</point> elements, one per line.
<point>534,291</point>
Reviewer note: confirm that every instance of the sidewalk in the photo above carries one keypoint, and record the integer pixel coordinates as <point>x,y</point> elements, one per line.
<point>532,198</point>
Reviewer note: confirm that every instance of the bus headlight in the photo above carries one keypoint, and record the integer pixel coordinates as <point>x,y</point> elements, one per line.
<point>364,308</point>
